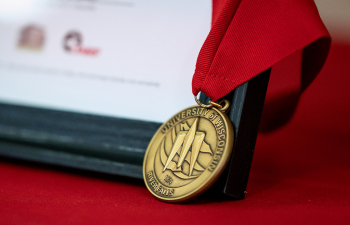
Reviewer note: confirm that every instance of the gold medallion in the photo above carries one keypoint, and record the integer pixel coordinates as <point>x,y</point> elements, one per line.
<point>188,153</point>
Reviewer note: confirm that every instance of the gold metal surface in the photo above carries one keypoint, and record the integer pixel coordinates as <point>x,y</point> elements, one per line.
<point>209,106</point>
<point>214,104</point>
<point>188,153</point>
<point>223,105</point>
<point>226,105</point>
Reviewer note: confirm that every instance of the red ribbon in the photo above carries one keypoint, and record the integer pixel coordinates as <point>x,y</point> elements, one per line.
<point>249,36</point>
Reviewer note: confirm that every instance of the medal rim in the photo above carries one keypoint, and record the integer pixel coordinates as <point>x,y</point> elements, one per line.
<point>211,179</point>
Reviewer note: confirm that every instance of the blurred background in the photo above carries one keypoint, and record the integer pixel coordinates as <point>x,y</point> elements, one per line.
<point>84,56</point>
<point>300,171</point>
<point>336,17</point>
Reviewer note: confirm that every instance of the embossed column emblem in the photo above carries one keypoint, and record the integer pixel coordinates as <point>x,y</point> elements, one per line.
<point>187,154</point>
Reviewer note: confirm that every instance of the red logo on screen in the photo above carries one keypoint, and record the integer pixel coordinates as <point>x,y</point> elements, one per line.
<point>72,43</point>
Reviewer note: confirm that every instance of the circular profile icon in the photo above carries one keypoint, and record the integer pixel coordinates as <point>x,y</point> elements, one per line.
<point>31,37</point>
<point>72,40</point>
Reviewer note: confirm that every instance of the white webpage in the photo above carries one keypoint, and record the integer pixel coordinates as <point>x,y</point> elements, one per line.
<point>130,59</point>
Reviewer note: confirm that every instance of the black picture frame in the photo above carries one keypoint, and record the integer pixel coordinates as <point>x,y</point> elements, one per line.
<point>117,146</point>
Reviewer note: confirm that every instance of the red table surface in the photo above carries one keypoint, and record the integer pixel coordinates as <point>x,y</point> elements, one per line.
<point>300,175</point>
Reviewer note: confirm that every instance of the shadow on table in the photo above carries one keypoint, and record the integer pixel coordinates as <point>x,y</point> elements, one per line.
<point>78,172</point>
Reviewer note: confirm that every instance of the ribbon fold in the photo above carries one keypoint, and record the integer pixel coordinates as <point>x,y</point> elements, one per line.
<point>249,36</point>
